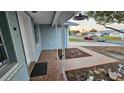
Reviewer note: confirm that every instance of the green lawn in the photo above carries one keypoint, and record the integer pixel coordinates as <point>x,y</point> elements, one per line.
<point>75,40</point>
<point>111,38</point>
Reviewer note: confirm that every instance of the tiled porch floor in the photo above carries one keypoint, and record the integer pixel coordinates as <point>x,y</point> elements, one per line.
<point>54,67</point>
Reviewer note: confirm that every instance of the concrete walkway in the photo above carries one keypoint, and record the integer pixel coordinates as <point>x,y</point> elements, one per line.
<point>91,44</point>
<point>116,42</point>
<point>95,59</point>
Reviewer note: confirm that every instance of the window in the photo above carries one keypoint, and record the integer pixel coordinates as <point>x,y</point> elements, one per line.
<point>37,34</point>
<point>3,54</point>
<point>5,64</point>
<point>9,46</point>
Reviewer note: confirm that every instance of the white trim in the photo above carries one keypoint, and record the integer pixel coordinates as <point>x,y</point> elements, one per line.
<point>35,35</point>
<point>39,37</point>
<point>56,39</point>
<point>57,14</point>
<point>11,72</point>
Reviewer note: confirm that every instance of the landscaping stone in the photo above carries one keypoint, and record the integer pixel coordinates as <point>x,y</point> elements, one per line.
<point>97,73</point>
<point>103,71</point>
<point>120,79</point>
<point>90,78</point>
<point>113,75</point>
<point>91,72</point>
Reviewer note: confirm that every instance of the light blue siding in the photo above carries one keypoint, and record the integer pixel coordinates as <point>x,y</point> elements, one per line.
<point>22,73</point>
<point>49,37</point>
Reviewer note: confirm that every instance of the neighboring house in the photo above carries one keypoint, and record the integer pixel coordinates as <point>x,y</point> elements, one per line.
<point>23,36</point>
<point>117,34</point>
<point>103,33</point>
<point>110,33</point>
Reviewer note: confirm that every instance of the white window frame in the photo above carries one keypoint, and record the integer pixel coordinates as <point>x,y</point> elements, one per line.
<point>4,46</point>
<point>12,71</point>
<point>39,37</point>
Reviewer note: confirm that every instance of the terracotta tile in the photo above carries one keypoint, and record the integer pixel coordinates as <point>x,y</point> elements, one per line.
<point>55,71</point>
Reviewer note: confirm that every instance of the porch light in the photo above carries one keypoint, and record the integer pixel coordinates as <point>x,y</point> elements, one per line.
<point>34,11</point>
<point>80,17</point>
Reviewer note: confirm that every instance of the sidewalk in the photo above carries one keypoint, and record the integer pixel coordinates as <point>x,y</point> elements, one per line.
<point>116,42</point>
<point>91,44</point>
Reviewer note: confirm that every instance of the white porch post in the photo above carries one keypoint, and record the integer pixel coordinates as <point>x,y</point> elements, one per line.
<point>56,39</point>
<point>63,38</point>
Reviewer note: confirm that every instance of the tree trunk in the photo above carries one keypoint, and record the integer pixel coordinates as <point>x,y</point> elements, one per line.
<point>114,29</point>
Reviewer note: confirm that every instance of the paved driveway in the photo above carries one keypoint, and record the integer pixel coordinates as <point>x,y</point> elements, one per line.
<point>91,44</point>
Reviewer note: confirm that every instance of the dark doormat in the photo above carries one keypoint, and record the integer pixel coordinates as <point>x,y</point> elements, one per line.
<point>39,69</point>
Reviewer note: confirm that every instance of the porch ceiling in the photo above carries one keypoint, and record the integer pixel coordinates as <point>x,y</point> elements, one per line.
<point>47,17</point>
<point>65,16</point>
<point>42,17</point>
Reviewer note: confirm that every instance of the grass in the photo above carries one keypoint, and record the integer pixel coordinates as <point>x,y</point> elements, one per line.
<point>111,38</point>
<point>75,40</point>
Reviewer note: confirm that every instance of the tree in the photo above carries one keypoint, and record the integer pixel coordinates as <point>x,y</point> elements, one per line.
<point>93,30</point>
<point>105,17</point>
<point>75,31</point>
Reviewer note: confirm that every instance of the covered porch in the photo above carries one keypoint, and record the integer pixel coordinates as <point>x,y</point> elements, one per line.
<point>54,37</point>
<point>57,68</point>
<point>49,33</point>
<point>38,37</point>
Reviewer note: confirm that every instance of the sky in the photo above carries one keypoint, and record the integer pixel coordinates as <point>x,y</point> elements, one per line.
<point>91,23</point>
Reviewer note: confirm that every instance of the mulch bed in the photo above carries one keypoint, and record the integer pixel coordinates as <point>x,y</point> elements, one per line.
<point>72,53</point>
<point>116,52</point>
<point>98,72</point>
<point>104,49</point>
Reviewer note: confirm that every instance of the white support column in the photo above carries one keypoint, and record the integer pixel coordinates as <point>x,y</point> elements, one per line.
<point>56,39</point>
<point>63,38</point>
<point>57,14</point>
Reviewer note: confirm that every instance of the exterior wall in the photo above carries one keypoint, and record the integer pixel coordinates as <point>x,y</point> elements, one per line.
<point>24,38</point>
<point>26,28</point>
<point>28,34</point>
<point>22,73</point>
<point>24,42</point>
<point>50,38</point>
<point>31,50</point>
